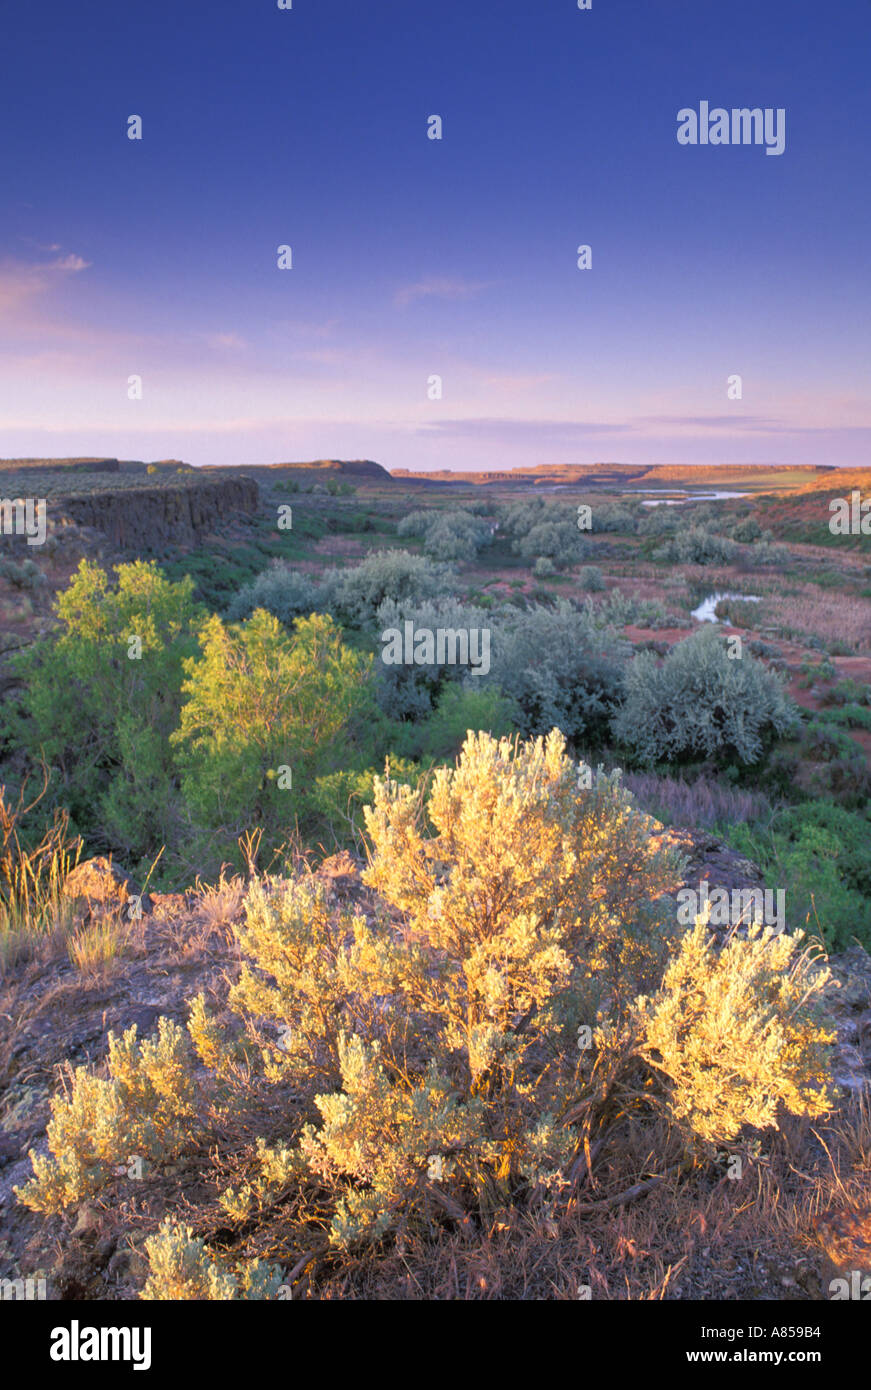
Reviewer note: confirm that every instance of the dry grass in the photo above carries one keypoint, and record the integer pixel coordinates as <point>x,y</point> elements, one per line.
<point>831,617</point>
<point>95,948</point>
<point>32,900</point>
<point>697,1235</point>
<point>219,904</point>
<point>701,804</point>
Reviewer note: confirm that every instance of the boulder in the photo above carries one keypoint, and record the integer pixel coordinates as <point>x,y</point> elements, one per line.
<point>100,887</point>
<point>845,1236</point>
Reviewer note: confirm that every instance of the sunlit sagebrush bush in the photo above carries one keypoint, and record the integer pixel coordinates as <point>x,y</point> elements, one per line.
<point>145,1106</point>
<point>431,1056</point>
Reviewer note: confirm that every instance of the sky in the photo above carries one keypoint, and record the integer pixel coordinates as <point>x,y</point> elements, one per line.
<point>415,258</point>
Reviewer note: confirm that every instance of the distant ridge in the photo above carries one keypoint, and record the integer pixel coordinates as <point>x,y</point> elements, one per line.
<point>348,468</point>
<point>604,472</point>
<point>76,465</point>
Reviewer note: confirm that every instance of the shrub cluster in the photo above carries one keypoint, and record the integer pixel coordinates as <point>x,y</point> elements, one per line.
<point>695,545</point>
<point>823,852</point>
<point>457,535</point>
<point>410,691</point>
<point>563,669</point>
<point>190,720</point>
<point>260,700</point>
<point>114,669</point>
<point>623,515</point>
<point>545,531</point>
<point>560,667</point>
<point>355,594</point>
<point>559,541</point>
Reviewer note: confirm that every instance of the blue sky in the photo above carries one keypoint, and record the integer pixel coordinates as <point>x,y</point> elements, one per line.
<point>414,257</point>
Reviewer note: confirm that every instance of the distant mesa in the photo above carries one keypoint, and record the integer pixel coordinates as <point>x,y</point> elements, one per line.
<point>349,468</point>
<point>343,468</point>
<point>78,465</point>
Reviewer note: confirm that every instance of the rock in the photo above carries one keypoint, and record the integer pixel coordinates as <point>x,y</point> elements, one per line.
<point>103,888</point>
<point>104,1250</point>
<point>845,1236</point>
<point>169,905</point>
<point>10,1148</point>
<point>119,1265</point>
<point>145,1017</point>
<point>87,1220</point>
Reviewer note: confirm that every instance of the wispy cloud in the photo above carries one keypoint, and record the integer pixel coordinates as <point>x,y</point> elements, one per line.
<point>493,428</point>
<point>440,288</point>
<point>531,433</point>
<point>25,281</point>
<point>225,340</point>
<point>715,422</point>
<point>71,262</point>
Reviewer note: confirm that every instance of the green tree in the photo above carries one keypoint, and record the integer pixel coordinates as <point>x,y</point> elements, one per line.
<point>266,712</point>
<point>101,697</point>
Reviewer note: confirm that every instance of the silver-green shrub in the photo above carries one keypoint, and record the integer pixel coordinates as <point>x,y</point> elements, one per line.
<point>591,578</point>
<point>562,667</point>
<point>409,692</point>
<point>700,702</point>
<point>354,595</point>
<point>559,541</point>
<point>282,591</point>
<point>455,535</point>
<point>697,546</point>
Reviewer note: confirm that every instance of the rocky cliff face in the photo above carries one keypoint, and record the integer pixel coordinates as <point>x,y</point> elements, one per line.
<point>148,518</point>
